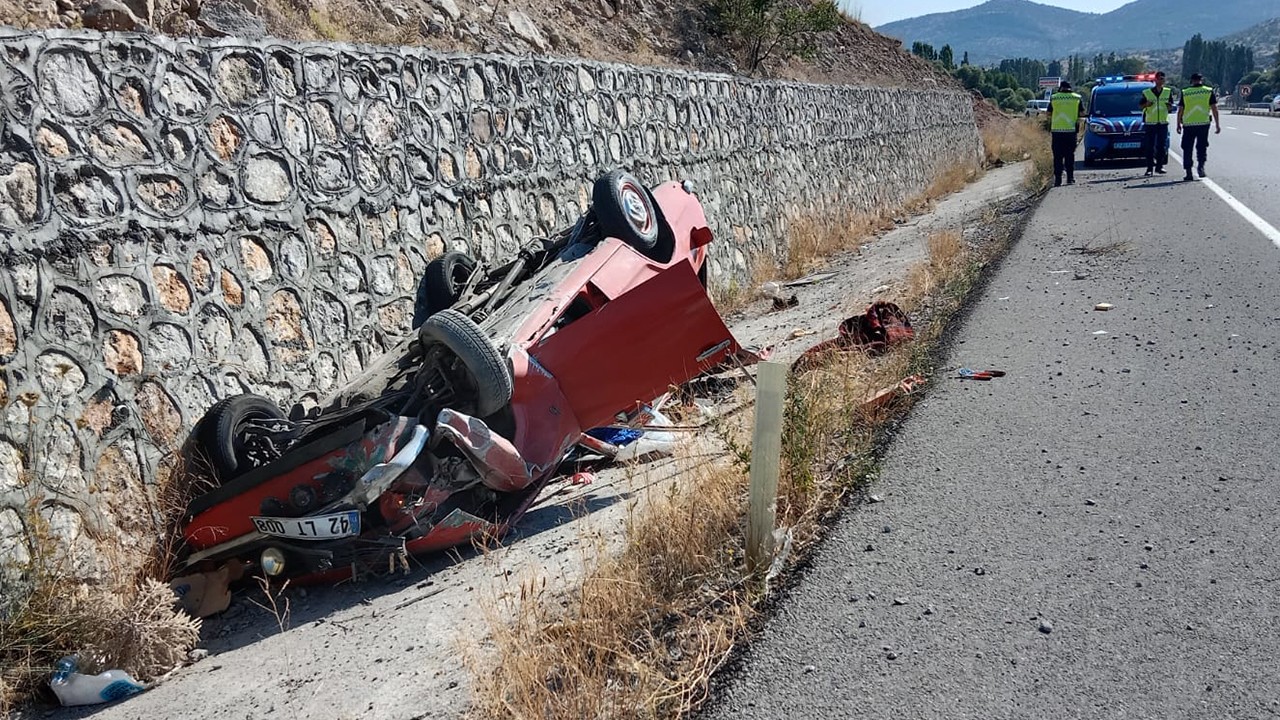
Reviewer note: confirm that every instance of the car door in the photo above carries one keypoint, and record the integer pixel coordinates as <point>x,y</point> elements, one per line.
<point>632,348</point>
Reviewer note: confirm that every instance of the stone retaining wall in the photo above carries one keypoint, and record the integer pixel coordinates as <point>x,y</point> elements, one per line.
<point>184,219</point>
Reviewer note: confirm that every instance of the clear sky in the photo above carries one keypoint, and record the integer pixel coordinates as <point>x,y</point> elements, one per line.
<point>879,12</point>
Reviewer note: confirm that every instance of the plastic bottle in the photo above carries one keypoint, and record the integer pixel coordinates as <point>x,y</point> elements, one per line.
<point>73,688</point>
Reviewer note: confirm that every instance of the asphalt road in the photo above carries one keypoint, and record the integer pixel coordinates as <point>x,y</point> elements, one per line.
<point>1095,534</point>
<point>1245,160</point>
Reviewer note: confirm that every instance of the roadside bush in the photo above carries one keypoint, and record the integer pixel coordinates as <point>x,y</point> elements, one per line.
<point>764,30</point>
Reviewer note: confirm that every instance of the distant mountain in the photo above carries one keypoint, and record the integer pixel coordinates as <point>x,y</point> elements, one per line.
<point>1019,28</point>
<point>1263,38</point>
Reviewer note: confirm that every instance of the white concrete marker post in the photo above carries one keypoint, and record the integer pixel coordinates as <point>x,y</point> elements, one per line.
<point>766,451</point>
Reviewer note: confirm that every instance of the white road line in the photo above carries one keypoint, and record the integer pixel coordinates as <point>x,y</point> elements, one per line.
<point>1232,128</point>
<point>1264,227</point>
<point>1255,132</point>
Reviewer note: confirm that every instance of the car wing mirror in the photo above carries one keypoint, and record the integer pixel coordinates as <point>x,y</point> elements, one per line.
<point>699,236</point>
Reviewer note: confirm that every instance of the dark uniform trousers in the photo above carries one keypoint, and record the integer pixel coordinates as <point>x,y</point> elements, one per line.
<point>1196,136</point>
<point>1064,154</point>
<point>1157,144</point>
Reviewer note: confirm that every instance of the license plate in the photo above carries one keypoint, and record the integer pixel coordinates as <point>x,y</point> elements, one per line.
<point>1128,145</point>
<point>311,527</point>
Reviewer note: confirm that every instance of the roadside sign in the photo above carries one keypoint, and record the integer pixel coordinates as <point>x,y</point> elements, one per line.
<point>1246,91</point>
<point>1050,82</point>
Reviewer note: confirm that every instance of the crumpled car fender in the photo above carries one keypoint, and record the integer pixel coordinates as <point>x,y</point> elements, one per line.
<point>494,457</point>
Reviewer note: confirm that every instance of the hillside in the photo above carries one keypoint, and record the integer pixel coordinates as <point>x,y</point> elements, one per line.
<point>672,33</point>
<point>1019,28</point>
<point>1263,38</point>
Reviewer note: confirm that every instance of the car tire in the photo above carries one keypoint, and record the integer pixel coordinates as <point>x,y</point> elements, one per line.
<point>488,369</point>
<point>445,278</point>
<point>625,209</point>
<point>221,432</point>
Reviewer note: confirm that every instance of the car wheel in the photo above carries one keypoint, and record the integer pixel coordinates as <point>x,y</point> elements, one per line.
<point>489,378</point>
<point>625,209</point>
<point>236,435</point>
<point>445,278</point>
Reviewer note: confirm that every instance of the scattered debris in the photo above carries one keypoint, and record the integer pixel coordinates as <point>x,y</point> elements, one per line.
<point>1114,248</point>
<point>810,279</point>
<point>207,593</point>
<point>885,396</point>
<point>965,373</point>
<point>882,326</point>
<point>74,688</point>
<point>1046,627</point>
<point>781,301</point>
<point>875,498</point>
<point>780,304</point>
<point>1103,307</point>
<point>801,332</point>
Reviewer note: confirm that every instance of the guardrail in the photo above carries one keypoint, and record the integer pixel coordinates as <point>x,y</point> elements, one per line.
<point>1254,109</point>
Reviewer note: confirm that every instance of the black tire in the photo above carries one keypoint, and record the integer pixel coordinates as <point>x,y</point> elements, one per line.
<point>625,209</point>
<point>222,432</point>
<point>489,375</point>
<point>445,278</point>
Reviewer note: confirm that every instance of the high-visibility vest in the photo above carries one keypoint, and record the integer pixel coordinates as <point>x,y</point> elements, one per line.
<point>1195,105</point>
<point>1158,111</point>
<point>1065,107</point>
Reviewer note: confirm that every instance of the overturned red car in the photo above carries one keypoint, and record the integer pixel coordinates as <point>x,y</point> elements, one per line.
<point>454,433</point>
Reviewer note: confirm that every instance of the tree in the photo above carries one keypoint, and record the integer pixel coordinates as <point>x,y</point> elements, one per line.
<point>965,61</point>
<point>971,77</point>
<point>1054,69</point>
<point>947,58</point>
<point>924,51</point>
<point>1192,55</point>
<point>774,29</point>
<point>1221,64</point>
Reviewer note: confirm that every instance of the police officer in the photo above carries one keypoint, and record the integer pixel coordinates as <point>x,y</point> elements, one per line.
<point>1065,111</point>
<point>1156,104</point>
<point>1198,103</point>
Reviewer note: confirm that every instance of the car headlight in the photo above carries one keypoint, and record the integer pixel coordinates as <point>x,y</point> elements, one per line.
<point>1097,127</point>
<point>272,561</point>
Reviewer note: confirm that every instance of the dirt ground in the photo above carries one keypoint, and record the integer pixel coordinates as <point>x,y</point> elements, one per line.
<point>399,648</point>
<point>671,33</point>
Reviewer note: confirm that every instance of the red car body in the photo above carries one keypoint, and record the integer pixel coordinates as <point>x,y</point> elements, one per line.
<point>597,332</point>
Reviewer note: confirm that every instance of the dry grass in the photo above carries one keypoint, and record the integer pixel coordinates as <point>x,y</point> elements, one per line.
<point>1017,140</point>
<point>650,625</point>
<point>671,594</point>
<point>128,620</point>
<point>812,239</point>
<point>946,182</point>
<point>946,254</point>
